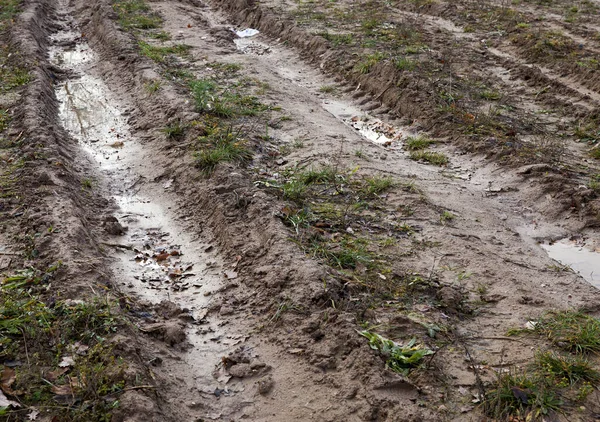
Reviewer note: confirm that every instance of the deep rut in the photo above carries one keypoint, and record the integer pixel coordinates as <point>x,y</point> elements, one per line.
<point>163,257</point>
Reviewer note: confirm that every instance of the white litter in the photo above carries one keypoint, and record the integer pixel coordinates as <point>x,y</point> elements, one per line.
<point>246,33</point>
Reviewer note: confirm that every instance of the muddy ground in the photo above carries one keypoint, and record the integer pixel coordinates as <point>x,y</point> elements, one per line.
<point>198,224</point>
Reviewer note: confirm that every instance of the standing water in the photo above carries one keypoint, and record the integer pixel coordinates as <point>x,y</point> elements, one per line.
<point>580,258</point>
<point>157,258</point>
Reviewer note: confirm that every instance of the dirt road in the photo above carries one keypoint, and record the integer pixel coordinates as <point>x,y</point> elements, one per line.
<point>279,211</point>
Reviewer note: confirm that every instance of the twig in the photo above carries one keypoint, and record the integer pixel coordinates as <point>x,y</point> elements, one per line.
<point>25,344</point>
<point>138,387</point>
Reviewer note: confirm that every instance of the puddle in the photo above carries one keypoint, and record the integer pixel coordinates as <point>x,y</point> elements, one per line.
<point>579,257</point>
<point>156,258</point>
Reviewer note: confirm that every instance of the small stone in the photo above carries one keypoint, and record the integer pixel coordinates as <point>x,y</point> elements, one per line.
<point>265,385</point>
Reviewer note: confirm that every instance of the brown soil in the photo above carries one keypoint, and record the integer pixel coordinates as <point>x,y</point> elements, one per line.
<point>269,332</point>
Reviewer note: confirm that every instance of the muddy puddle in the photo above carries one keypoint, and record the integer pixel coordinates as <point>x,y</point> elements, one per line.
<point>581,258</point>
<point>155,258</point>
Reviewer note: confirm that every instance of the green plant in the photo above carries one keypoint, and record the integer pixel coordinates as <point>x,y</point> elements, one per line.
<point>399,358</point>
<point>221,144</point>
<point>368,62</point>
<point>567,370</point>
<point>152,87</point>
<point>377,184</point>
<point>175,130</point>
<point>135,14</point>
<point>571,330</point>
<point>160,54</point>
<point>416,143</point>
<point>447,216</point>
<point>522,395</point>
<point>328,89</point>
<point>435,158</point>
<point>405,64</point>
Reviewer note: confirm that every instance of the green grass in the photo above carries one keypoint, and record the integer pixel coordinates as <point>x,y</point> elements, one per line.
<point>40,336</point>
<point>338,39</point>
<point>366,64</point>
<point>211,98</point>
<point>175,130</point>
<point>4,120</point>
<point>348,253</point>
<point>417,143</point>
<point>328,89</point>
<point>435,158</point>
<point>376,185</point>
<point>547,386</point>
<point>491,95</point>
<point>571,330</point>
<point>135,14</point>
<point>160,54</point>
<point>152,87</point>
<point>221,144</point>
<point>8,11</point>
<point>521,395</point>
<point>159,35</point>
<point>567,370</point>
<point>405,64</point>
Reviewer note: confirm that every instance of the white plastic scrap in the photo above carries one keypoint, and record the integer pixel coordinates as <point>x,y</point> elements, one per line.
<point>246,33</point>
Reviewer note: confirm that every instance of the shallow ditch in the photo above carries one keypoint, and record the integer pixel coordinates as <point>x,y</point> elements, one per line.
<point>156,259</point>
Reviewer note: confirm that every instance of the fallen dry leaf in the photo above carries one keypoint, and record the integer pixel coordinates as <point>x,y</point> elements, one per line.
<point>54,375</point>
<point>66,361</point>
<point>62,390</point>
<point>6,380</point>
<point>4,402</point>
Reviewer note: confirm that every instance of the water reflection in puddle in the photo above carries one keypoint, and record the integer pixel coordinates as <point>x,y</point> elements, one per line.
<point>156,257</point>
<point>577,256</point>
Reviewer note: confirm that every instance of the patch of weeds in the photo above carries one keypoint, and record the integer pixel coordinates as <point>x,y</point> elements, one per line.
<point>399,358</point>
<point>552,382</point>
<point>160,54</point>
<point>521,395</point>
<point>160,35</point>
<point>405,64</point>
<point>294,190</point>
<point>152,87</point>
<point>594,183</point>
<point>595,153</point>
<point>12,74</point>
<point>43,337</point>
<point>490,95</point>
<point>4,120</point>
<point>210,97</point>
<point>416,143</point>
<point>435,158</point>
<point>365,65</point>
<point>221,144</point>
<point>86,183</point>
<point>175,130</point>
<point>337,39</point>
<point>328,89</point>
<point>571,330</point>
<point>589,63</point>
<point>446,217</point>
<point>135,14</point>
<point>226,69</point>
<point>567,370</point>
<point>377,184</point>
<point>345,254</point>
<point>8,10</point>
